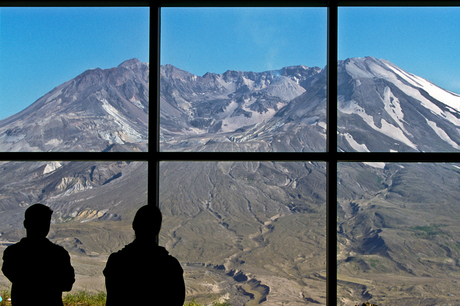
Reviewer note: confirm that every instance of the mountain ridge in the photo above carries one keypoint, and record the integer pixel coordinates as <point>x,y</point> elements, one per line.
<point>76,107</point>
<point>242,103</point>
<point>263,222</point>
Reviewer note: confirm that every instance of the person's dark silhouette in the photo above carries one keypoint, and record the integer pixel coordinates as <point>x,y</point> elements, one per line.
<point>143,273</point>
<point>38,269</point>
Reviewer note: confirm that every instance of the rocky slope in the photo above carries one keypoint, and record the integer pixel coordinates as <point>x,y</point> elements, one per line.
<point>254,230</point>
<point>92,112</point>
<point>94,201</point>
<point>381,108</point>
<point>397,234</point>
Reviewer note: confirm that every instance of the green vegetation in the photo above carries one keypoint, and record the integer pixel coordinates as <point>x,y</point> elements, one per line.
<point>5,296</point>
<point>427,231</point>
<point>80,298</point>
<point>85,298</point>
<point>374,262</point>
<point>193,303</point>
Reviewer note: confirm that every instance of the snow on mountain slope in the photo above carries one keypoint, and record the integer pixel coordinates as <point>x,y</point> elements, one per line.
<point>408,112</point>
<point>223,103</point>
<point>381,108</point>
<point>410,84</point>
<point>447,97</point>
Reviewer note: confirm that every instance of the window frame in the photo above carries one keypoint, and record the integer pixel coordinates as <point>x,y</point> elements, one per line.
<point>331,157</point>
<point>154,156</point>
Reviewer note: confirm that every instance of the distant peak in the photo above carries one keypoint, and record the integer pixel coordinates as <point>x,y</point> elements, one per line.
<point>131,63</point>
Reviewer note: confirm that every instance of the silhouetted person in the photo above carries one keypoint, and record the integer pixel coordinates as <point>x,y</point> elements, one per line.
<point>143,273</point>
<point>39,269</point>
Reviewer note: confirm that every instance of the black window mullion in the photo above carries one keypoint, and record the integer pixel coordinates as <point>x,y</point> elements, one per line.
<point>331,153</point>
<point>74,156</point>
<point>399,157</point>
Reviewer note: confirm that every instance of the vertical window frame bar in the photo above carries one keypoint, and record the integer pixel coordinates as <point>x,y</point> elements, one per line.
<point>331,155</point>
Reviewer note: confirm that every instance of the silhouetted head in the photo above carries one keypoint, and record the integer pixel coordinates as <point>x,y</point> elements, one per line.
<point>147,222</point>
<point>37,219</point>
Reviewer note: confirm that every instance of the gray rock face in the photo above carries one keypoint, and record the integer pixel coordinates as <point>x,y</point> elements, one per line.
<point>265,220</point>
<point>226,107</point>
<point>99,110</point>
<point>381,108</point>
<point>92,112</point>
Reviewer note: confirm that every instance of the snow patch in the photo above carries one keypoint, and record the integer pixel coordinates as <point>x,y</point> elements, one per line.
<point>393,108</point>
<point>322,124</point>
<point>53,166</point>
<point>447,97</point>
<point>412,86</point>
<point>53,142</point>
<point>387,129</point>
<point>375,164</point>
<point>354,144</point>
<point>442,134</point>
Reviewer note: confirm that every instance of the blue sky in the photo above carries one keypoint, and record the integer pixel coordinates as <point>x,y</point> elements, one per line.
<point>423,41</point>
<point>201,40</point>
<point>41,48</point>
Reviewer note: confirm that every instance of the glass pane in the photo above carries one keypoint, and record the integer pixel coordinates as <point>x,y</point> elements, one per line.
<point>243,79</point>
<point>398,79</point>
<point>398,234</point>
<point>247,231</point>
<point>93,202</point>
<point>74,79</point>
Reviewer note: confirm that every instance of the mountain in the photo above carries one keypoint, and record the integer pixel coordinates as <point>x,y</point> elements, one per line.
<point>99,110</point>
<point>398,237</point>
<point>95,111</point>
<point>381,108</point>
<point>225,110</point>
<point>93,201</point>
<point>251,232</point>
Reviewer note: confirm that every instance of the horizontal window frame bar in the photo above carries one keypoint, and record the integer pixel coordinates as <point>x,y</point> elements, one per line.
<point>242,3</point>
<point>394,3</point>
<point>306,3</point>
<point>406,157</point>
<point>75,156</point>
<point>396,157</point>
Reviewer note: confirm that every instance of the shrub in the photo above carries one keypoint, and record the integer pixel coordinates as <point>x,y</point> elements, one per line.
<point>85,298</point>
<point>5,296</point>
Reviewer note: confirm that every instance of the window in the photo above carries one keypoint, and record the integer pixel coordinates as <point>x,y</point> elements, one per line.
<point>345,151</point>
<point>246,230</point>
<point>225,70</point>
<point>238,222</point>
<point>61,151</point>
<point>392,221</point>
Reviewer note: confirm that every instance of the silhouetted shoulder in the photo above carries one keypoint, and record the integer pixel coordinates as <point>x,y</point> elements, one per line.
<point>42,245</point>
<point>148,256</point>
<point>148,272</point>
